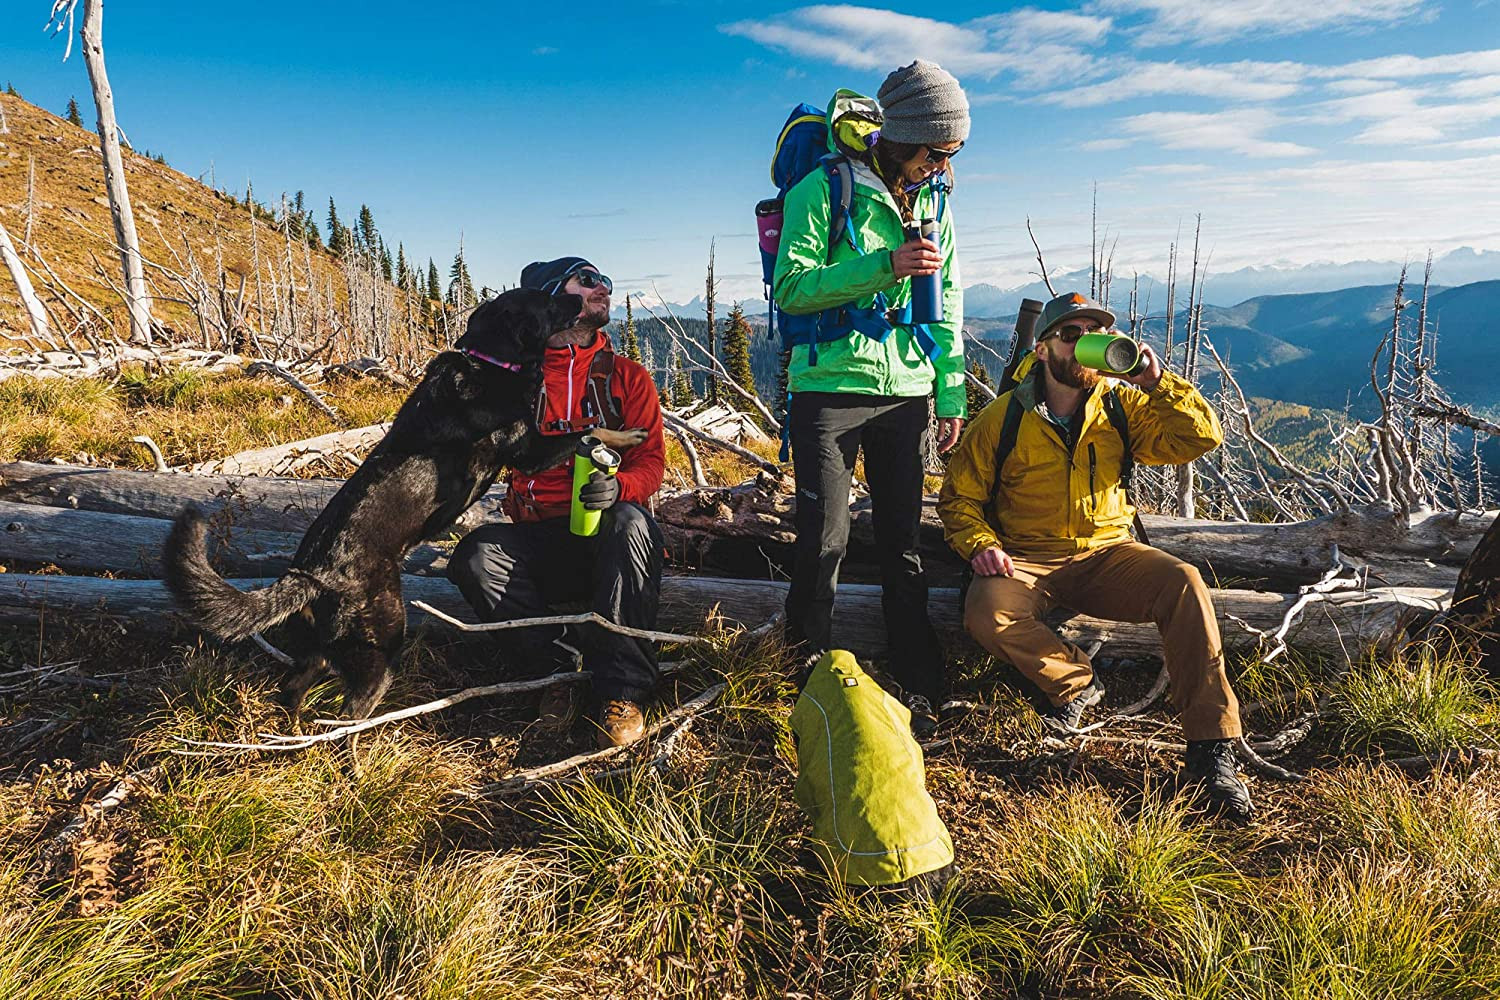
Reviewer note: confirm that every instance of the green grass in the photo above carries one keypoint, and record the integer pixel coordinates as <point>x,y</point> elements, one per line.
<point>193,416</point>
<point>319,875</point>
<point>1421,701</point>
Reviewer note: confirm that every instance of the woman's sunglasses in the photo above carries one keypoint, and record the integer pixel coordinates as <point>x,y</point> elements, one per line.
<point>935,155</point>
<point>593,279</point>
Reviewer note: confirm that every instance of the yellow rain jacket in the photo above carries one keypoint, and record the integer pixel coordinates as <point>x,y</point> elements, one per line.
<point>1051,503</point>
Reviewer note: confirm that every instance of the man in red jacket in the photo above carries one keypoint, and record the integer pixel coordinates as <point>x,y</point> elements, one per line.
<point>516,570</point>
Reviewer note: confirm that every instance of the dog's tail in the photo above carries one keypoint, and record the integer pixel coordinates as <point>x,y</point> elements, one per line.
<point>212,604</point>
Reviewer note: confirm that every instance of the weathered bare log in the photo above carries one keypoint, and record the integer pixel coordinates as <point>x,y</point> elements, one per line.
<point>34,309</point>
<point>281,458</point>
<point>259,502</point>
<point>88,541</point>
<point>1342,623</point>
<point>743,527</point>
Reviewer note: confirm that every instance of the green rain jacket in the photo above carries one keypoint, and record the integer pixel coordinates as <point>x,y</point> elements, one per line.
<point>860,778</point>
<point>808,280</point>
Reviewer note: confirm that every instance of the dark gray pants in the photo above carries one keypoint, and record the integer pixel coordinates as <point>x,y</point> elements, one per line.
<point>827,431</point>
<point>510,571</point>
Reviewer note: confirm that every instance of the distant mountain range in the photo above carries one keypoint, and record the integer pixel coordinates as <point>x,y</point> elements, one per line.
<point>985,301</point>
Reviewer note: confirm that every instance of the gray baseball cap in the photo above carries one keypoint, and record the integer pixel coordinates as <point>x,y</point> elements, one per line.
<point>1069,306</point>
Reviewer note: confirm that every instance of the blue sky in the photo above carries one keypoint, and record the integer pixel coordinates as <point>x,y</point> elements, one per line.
<point>634,134</point>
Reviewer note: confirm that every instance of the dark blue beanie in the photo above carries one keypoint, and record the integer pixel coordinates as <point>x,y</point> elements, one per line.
<point>551,275</point>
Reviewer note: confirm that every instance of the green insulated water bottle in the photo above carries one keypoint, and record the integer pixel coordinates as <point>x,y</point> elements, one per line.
<point>1111,353</point>
<point>591,456</point>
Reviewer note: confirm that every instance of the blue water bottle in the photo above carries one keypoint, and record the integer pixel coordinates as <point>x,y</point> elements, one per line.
<point>926,289</point>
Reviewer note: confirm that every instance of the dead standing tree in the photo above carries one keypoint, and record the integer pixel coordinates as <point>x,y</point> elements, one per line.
<point>136,297</point>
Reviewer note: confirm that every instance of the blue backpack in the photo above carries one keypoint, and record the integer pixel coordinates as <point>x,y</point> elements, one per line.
<point>801,148</point>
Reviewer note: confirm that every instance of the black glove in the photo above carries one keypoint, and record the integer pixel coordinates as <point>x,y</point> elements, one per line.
<point>600,492</point>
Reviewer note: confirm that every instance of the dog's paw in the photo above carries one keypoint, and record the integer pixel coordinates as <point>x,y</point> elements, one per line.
<point>622,439</point>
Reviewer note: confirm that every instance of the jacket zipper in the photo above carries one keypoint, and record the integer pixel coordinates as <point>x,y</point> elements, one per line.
<point>572,357</point>
<point>1093,503</point>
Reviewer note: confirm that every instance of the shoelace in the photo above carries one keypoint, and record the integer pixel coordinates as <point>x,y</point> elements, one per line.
<point>918,705</point>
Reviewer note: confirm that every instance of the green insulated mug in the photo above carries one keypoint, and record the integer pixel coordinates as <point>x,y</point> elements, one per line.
<point>591,456</point>
<point>1111,353</point>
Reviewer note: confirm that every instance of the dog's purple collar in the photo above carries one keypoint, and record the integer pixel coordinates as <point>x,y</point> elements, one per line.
<point>508,365</point>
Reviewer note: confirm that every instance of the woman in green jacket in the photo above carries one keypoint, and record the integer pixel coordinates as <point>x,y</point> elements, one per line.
<point>873,390</point>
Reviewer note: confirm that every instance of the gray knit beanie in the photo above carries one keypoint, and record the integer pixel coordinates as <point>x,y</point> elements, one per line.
<point>923,104</point>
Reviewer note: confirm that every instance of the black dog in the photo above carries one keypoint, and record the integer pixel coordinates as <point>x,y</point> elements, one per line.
<point>472,416</point>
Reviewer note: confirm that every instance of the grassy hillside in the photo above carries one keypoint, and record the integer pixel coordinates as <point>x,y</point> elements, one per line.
<point>51,176</point>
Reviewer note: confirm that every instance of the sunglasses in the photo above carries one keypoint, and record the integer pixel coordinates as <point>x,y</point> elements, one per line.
<point>935,155</point>
<point>1071,333</point>
<point>593,279</point>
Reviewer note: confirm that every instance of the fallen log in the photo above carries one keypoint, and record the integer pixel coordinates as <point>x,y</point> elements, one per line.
<point>259,502</point>
<point>742,528</point>
<point>88,541</point>
<point>283,458</point>
<point>1342,624</point>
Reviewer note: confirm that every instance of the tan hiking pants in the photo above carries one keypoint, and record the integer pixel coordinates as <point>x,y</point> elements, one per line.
<point>1127,582</point>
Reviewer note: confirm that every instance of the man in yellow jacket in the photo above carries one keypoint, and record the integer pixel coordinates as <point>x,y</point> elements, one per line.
<point>1051,527</point>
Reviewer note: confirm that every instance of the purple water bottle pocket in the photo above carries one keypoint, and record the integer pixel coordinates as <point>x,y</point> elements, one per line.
<point>768,218</point>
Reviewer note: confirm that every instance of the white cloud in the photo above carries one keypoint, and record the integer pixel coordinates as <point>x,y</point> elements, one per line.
<point>1036,46</point>
<point>1479,86</point>
<point>1406,67</point>
<point>1170,22</point>
<point>1240,131</point>
<point>867,38</point>
<point>1242,81</point>
<point>1104,145</point>
<point>1406,115</point>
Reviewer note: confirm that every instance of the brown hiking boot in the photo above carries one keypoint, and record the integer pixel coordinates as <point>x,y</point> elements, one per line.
<point>559,707</point>
<point>620,723</point>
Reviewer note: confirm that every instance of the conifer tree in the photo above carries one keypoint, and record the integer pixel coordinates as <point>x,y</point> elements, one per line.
<point>682,383</point>
<point>978,398</point>
<point>403,270</point>
<point>310,228</point>
<point>369,237</point>
<point>632,343</point>
<point>10,89</point>
<point>737,349</point>
<point>460,285</point>
<point>385,261</point>
<point>434,286</point>
<point>338,236</point>
<point>74,118</point>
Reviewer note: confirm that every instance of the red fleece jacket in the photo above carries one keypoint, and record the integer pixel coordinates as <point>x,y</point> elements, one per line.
<point>565,374</point>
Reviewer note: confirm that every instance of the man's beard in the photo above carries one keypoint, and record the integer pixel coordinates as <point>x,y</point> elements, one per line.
<point>592,318</point>
<point>1072,374</point>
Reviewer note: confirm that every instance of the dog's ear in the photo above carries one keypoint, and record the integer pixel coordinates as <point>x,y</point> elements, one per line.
<point>565,309</point>
<point>508,326</point>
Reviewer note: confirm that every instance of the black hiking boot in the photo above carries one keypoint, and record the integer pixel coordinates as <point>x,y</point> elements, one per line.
<point>1210,775</point>
<point>924,720</point>
<point>1064,719</point>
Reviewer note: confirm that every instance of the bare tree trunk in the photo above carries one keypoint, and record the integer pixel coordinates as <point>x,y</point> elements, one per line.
<point>23,285</point>
<point>1476,598</point>
<point>136,296</point>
